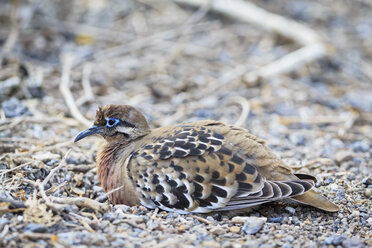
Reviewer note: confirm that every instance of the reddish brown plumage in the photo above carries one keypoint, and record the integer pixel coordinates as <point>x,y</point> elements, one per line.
<point>111,175</point>
<point>195,167</point>
<point>112,154</point>
<point>105,158</point>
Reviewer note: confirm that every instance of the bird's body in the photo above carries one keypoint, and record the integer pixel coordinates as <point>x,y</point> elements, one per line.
<point>196,167</point>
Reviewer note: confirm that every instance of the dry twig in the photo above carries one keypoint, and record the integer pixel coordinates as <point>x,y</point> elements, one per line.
<point>244,103</point>
<point>81,202</point>
<point>64,87</point>
<point>288,120</point>
<point>37,149</point>
<point>40,185</point>
<point>88,91</point>
<point>205,221</point>
<point>16,168</point>
<point>312,46</point>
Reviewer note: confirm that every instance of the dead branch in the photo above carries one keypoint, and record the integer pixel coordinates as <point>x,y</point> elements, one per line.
<point>40,185</point>
<point>205,221</point>
<point>64,87</point>
<point>312,46</point>
<point>88,91</point>
<point>13,205</point>
<point>81,202</point>
<point>155,213</point>
<point>287,63</point>
<point>244,103</point>
<point>81,167</point>
<point>54,170</point>
<point>16,168</point>
<point>58,203</point>
<point>37,149</point>
<point>55,188</point>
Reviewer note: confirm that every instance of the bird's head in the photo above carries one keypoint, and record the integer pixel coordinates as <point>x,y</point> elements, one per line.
<point>117,123</point>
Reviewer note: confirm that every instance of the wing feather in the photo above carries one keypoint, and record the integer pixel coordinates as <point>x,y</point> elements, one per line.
<point>194,169</point>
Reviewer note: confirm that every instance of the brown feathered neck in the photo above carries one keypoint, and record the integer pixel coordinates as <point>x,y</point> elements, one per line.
<point>112,170</point>
<point>106,158</point>
<point>120,141</point>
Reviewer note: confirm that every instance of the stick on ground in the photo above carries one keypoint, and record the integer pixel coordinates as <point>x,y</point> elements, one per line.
<point>312,46</point>
<point>64,87</point>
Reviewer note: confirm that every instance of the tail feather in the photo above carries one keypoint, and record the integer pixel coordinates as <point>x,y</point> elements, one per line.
<point>315,199</point>
<point>306,177</point>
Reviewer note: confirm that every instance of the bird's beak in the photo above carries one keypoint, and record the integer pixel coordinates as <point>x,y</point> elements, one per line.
<point>92,130</point>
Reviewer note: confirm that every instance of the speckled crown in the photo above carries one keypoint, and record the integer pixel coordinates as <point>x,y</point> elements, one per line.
<point>100,117</point>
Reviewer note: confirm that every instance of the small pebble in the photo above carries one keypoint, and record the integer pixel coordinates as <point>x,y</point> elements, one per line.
<point>123,208</point>
<point>242,219</point>
<point>360,146</point>
<point>110,216</point>
<point>210,243</point>
<point>368,192</point>
<point>290,210</point>
<point>151,225</point>
<point>343,156</point>
<point>352,243</point>
<point>3,222</point>
<point>181,229</point>
<point>369,221</point>
<point>328,180</point>
<point>253,224</point>
<point>235,229</point>
<point>286,109</point>
<point>355,213</point>
<point>13,108</point>
<point>102,198</point>
<point>210,218</point>
<point>97,189</point>
<point>288,238</point>
<point>361,100</point>
<point>297,139</point>
<point>334,239</point>
<point>276,219</point>
<point>33,227</point>
<point>217,230</point>
<point>333,187</point>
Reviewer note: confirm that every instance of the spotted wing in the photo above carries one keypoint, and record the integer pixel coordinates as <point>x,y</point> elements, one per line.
<point>272,191</point>
<point>194,169</point>
<point>184,141</point>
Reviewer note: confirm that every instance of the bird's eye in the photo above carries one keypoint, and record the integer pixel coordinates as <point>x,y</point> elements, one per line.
<point>112,122</point>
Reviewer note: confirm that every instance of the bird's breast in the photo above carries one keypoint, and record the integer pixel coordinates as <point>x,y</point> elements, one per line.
<point>112,173</point>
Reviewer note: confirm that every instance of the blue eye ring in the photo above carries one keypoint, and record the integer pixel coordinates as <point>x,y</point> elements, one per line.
<point>112,122</point>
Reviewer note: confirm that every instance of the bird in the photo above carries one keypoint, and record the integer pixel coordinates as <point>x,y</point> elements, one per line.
<point>197,167</point>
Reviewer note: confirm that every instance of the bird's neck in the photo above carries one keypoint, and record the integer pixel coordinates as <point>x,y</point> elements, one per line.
<point>112,171</point>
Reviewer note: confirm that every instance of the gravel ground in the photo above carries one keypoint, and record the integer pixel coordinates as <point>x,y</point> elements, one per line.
<point>172,62</point>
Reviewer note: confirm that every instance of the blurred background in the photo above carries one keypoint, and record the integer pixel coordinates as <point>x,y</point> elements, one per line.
<point>180,63</point>
<point>60,60</point>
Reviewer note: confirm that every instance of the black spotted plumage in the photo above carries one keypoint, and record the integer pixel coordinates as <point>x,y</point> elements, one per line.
<point>198,167</point>
<point>203,173</point>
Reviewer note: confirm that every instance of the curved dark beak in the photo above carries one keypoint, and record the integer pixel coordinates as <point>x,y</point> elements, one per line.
<point>92,130</point>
